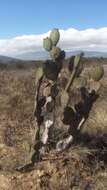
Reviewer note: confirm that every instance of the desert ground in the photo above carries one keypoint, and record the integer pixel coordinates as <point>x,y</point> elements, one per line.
<point>79,168</point>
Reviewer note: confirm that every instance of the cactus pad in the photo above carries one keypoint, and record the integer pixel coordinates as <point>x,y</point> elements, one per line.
<point>47,44</point>
<point>79,69</point>
<point>54,36</point>
<point>55,52</point>
<point>97,73</point>
<point>39,73</point>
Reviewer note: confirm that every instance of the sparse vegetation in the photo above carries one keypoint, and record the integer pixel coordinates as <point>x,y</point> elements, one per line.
<point>82,167</point>
<point>79,168</point>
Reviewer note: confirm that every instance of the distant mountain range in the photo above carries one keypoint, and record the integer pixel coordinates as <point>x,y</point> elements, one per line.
<point>88,53</point>
<point>43,55</point>
<point>6,59</point>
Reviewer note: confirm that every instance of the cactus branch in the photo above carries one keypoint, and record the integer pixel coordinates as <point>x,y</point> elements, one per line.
<point>76,65</point>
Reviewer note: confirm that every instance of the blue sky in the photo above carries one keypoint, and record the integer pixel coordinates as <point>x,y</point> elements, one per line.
<point>25,17</point>
<point>25,23</point>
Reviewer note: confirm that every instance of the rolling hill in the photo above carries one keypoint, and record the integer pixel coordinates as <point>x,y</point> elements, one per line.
<point>42,55</point>
<point>6,59</point>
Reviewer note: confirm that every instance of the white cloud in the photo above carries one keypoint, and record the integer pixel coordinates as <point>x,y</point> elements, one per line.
<point>71,39</point>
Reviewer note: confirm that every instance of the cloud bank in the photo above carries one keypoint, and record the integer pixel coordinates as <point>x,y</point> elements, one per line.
<point>70,40</point>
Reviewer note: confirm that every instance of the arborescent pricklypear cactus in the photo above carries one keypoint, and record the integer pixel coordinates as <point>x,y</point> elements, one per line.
<point>53,100</point>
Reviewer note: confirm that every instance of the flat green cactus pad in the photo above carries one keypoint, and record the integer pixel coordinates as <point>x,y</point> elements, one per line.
<point>97,72</point>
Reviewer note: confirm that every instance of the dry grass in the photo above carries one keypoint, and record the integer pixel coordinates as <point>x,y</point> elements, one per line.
<point>79,168</point>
